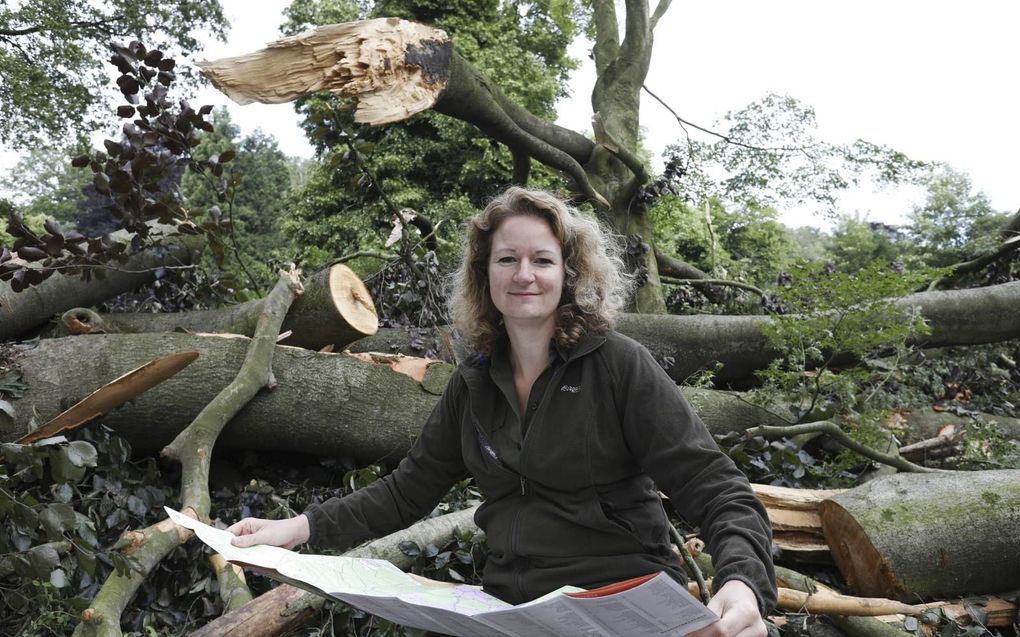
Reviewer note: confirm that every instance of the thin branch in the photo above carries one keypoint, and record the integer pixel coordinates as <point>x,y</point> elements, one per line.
<point>725,138</point>
<point>832,430</point>
<point>692,565</point>
<point>661,9</point>
<point>723,282</point>
<point>97,24</point>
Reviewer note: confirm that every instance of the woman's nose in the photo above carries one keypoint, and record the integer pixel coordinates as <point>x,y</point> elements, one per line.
<point>524,273</point>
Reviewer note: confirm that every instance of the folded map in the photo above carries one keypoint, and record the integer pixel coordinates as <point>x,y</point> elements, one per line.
<point>648,606</point>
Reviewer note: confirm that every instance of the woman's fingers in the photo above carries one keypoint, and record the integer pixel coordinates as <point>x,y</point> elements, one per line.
<point>286,533</point>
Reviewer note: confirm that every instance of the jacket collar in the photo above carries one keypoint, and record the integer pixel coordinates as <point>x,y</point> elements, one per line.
<point>476,367</point>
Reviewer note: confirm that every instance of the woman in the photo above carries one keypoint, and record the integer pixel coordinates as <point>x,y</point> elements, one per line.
<point>566,426</point>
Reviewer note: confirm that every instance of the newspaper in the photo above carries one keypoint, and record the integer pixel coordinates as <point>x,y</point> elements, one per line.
<point>650,606</point>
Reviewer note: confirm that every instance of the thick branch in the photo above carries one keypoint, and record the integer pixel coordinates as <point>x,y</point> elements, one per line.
<point>832,430</point>
<point>637,34</point>
<point>193,449</point>
<point>394,69</point>
<point>607,34</point>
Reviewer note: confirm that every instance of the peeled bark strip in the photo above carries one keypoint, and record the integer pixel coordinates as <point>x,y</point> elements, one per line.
<point>112,395</point>
<point>31,308</point>
<point>336,309</point>
<point>928,535</point>
<point>285,608</point>
<point>193,449</point>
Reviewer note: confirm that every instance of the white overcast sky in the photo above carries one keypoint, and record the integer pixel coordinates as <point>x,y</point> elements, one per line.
<point>935,79</point>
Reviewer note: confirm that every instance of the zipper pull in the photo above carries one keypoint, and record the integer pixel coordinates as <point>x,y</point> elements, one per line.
<point>524,489</point>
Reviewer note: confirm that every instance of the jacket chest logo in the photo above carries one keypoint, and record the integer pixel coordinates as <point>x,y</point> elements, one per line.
<point>573,389</point>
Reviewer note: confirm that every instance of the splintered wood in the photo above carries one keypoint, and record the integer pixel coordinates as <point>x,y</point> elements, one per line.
<point>796,527</point>
<point>393,68</point>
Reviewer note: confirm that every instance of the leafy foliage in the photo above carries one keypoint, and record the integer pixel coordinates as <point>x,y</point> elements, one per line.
<point>50,52</point>
<point>136,176</point>
<point>769,155</point>
<point>827,316</point>
<point>64,503</point>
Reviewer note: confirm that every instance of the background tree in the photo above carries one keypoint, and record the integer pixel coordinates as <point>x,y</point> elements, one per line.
<point>253,193</point>
<point>954,222</point>
<point>52,53</point>
<point>43,182</point>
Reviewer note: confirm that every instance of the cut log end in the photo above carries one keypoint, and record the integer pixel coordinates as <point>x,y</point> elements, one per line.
<point>864,567</point>
<point>352,300</point>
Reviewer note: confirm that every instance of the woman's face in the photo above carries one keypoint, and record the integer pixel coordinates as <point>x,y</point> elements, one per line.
<point>526,271</point>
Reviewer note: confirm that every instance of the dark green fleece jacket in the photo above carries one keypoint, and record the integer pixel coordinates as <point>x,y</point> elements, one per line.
<point>581,507</point>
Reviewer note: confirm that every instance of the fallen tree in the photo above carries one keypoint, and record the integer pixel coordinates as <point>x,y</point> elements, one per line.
<point>327,404</point>
<point>23,311</point>
<point>927,535</point>
<point>336,309</point>
<point>689,345</point>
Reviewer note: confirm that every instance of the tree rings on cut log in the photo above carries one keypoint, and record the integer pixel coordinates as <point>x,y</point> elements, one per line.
<point>336,309</point>
<point>927,535</point>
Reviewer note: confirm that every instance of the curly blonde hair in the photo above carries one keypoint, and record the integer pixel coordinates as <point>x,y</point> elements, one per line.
<point>595,287</point>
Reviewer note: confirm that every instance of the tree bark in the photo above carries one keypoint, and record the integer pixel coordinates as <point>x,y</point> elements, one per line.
<point>336,309</point>
<point>31,308</point>
<point>329,404</point>
<point>325,404</point>
<point>928,535</point>
<point>689,345</point>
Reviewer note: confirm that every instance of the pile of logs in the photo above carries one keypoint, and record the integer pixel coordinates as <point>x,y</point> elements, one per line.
<point>897,540</point>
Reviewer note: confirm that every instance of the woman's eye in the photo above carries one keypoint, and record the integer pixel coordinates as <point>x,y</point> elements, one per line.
<point>542,261</point>
<point>506,260</point>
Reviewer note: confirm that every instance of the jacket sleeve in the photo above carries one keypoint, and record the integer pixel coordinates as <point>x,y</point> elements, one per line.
<point>674,447</point>
<point>404,496</point>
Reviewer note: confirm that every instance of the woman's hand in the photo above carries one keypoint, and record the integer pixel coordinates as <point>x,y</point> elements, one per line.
<point>737,608</point>
<point>286,533</point>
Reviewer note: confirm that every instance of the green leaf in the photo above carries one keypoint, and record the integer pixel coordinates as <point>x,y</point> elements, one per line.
<point>42,560</point>
<point>62,492</point>
<point>62,468</point>
<point>57,518</point>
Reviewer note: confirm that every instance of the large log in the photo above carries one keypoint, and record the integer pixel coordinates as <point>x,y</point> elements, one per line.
<point>336,309</point>
<point>330,404</point>
<point>327,404</point>
<point>928,535</point>
<point>688,345</point>
<point>31,308</point>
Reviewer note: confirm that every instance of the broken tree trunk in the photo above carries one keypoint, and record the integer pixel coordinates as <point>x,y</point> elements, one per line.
<point>22,311</point>
<point>336,309</point>
<point>928,535</point>
<point>193,449</point>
